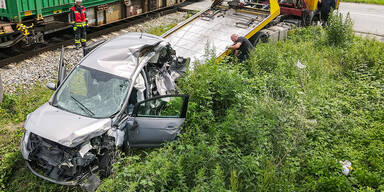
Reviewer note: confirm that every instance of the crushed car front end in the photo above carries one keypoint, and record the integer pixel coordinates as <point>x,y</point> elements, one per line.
<point>66,148</point>
<point>67,165</point>
<point>74,137</point>
<point>57,163</point>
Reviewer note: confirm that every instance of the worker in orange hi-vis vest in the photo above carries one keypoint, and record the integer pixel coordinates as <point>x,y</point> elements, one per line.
<point>79,20</point>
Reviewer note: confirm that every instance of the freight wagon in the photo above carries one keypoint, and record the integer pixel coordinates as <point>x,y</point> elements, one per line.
<point>28,21</point>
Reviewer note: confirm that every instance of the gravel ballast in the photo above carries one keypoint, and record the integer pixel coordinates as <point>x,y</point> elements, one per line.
<point>43,67</point>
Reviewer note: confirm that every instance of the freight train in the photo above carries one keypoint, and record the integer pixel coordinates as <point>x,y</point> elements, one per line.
<point>28,21</point>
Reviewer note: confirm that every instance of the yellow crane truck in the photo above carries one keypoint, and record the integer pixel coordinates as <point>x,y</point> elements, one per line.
<point>255,20</point>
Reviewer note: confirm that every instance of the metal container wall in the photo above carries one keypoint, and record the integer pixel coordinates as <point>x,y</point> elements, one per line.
<point>171,2</point>
<point>153,5</point>
<point>16,10</point>
<point>100,12</point>
<point>113,13</point>
<point>134,7</point>
<point>312,4</point>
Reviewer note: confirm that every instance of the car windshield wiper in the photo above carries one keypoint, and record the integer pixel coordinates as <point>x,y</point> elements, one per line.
<point>83,107</point>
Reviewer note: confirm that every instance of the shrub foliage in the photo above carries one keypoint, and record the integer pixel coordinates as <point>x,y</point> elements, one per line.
<point>261,125</point>
<point>267,125</point>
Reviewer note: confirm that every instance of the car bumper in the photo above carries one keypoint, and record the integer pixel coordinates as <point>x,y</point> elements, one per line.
<point>67,183</point>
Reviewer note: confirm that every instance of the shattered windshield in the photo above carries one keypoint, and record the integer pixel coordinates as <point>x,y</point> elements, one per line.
<point>92,93</point>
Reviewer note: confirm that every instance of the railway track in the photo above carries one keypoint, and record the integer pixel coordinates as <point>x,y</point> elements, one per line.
<point>56,40</point>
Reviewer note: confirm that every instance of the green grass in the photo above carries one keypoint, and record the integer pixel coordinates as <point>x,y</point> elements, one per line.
<point>262,125</point>
<point>266,125</point>
<point>14,175</point>
<point>379,2</point>
<point>161,29</point>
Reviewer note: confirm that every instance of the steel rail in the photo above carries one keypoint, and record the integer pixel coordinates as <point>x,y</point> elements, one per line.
<point>113,27</point>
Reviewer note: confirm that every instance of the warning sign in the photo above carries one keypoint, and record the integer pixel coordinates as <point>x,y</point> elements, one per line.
<point>2,4</point>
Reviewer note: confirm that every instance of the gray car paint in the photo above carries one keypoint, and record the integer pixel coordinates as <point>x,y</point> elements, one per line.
<point>112,57</point>
<point>63,127</point>
<point>117,56</point>
<point>154,131</point>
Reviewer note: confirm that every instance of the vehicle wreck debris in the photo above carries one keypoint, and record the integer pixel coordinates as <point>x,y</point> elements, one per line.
<point>121,95</point>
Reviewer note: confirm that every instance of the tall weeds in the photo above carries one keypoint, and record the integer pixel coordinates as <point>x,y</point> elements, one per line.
<point>339,29</point>
<point>267,125</point>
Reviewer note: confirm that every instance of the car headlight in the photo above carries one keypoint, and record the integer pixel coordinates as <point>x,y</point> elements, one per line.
<point>24,144</point>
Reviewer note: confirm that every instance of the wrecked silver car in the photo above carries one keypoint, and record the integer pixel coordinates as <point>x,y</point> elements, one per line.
<point>121,95</point>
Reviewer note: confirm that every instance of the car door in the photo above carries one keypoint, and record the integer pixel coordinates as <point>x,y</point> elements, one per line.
<point>157,120</point>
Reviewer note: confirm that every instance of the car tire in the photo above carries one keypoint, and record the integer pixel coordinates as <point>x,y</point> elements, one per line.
<point>125,147</point>
<point>260,37</point>
<point>105,164</point>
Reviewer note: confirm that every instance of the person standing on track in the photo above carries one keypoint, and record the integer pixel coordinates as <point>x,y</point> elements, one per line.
<point>242,47</point>
<point>80,22</point>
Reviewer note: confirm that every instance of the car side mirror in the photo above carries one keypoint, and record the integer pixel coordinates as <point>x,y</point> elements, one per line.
<point>51,86</point>
<point>134,125</point>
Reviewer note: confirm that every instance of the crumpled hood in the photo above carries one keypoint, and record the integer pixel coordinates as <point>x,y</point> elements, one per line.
<point>63,127</point>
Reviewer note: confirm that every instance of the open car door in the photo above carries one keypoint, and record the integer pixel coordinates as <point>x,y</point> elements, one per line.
<point>62,68</point>
<point>62,73</point>
<point>157,120</point>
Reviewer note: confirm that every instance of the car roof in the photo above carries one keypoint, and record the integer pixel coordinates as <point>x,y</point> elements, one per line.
<point>119,55</point>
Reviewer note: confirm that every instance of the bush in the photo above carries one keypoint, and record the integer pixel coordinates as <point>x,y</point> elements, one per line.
<point>262,125</point>
<point>339,30</point>
<point>265,125</point>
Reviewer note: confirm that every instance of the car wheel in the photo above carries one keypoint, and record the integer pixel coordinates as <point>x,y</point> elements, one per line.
<point>260,37</point>
<point>125,147</point>
<point>105,164</point>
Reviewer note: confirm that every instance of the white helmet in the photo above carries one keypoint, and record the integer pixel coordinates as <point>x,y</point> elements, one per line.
<point>78,1</point>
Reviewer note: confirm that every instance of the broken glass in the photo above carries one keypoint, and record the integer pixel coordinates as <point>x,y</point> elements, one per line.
<point>92,93</point>
<point>161,107</point>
